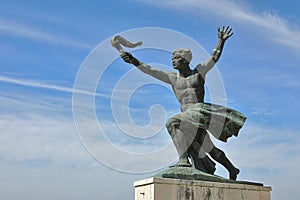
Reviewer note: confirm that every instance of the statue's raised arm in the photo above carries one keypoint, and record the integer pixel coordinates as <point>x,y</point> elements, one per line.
<point>119,41</point>
<point>158,74</point>
<point>223,34</point>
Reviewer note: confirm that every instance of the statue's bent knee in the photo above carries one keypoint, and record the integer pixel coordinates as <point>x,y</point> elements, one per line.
<point>171,125</point>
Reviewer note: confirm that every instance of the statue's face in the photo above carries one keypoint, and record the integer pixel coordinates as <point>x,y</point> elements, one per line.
<point>178,62</point>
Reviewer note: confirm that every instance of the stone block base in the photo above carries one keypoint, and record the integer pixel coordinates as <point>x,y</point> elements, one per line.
<point>178,189</point>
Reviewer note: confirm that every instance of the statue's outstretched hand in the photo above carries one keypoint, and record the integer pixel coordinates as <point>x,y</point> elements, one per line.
<point>127,57</point>
<point>224,33</point>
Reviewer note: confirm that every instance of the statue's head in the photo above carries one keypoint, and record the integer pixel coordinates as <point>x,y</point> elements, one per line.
<point>181,57</point>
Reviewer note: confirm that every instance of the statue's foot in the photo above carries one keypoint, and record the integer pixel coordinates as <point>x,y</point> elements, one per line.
<point>182,163</point>
<point>233,173</point>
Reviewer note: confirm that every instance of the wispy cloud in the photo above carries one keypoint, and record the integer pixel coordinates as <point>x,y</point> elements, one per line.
<point>18,29</point>
<point>267,23</point>
<point>40,84</point>
<point>40,141</point>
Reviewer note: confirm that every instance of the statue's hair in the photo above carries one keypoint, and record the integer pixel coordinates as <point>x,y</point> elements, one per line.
<point>184,53</point>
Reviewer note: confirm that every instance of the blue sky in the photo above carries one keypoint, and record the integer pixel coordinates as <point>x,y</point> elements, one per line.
<point>43,46</point>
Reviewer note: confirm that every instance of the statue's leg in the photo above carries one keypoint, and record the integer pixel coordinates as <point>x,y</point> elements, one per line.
<point>180,141</point>
<point>220,156</point>
<point>200,159</point>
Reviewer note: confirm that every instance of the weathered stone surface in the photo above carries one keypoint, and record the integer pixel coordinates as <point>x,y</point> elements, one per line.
<point>179,189</point>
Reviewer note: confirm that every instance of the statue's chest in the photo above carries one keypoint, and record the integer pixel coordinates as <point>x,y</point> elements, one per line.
<point>193,81</point>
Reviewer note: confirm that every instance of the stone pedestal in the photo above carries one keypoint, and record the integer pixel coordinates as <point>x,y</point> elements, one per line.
<point>157,188</point>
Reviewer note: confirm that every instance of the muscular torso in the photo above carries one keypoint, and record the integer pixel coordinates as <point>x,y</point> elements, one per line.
<point>188,90</point>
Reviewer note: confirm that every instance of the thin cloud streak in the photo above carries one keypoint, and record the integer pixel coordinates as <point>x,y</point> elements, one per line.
<point>271,25</point>
<point>26,31</point>
<point>37,84</point>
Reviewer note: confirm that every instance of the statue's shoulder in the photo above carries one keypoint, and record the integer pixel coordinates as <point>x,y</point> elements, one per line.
<point>199,72</point>
<point>172,76</point>
<point>199,68</point>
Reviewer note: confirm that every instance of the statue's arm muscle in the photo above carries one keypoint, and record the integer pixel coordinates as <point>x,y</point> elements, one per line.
<point>223,35</point>
<point>147,69</point>
<point>158,74</point>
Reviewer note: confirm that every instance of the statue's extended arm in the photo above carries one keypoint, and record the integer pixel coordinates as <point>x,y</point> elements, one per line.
<point>158,74</point>
<point>223,35</point>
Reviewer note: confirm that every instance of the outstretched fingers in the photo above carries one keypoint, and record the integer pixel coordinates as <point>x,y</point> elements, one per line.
<point>229,33</point>
<point>228,29</point>
<point>225,32</point>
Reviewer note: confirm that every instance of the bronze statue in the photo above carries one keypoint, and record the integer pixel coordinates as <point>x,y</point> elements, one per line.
<point>188,129</point>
